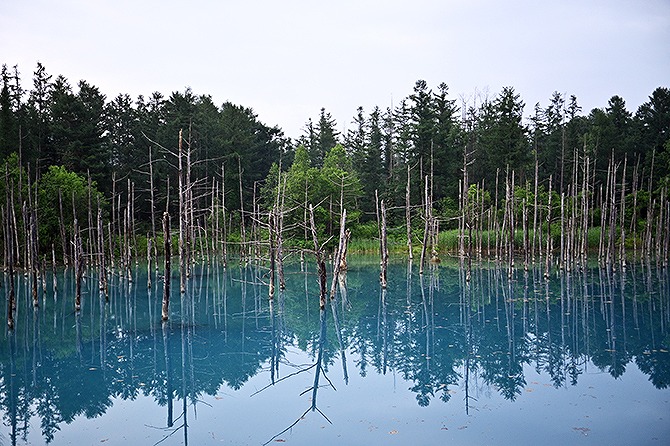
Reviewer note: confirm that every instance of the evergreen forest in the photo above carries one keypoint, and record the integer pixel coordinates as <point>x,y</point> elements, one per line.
<point>89,178</point>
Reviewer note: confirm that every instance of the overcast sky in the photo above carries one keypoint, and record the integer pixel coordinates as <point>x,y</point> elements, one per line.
<point>286,59</point>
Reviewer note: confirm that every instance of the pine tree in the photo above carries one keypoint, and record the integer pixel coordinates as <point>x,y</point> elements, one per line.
<point>327,138</point>
<point>8,124</point>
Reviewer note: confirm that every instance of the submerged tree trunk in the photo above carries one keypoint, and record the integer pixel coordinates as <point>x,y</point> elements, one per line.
<point>271,236</point>
<point>339,254</point>
<point>149,253</point>
<point>101,250</point>
<point>152,202</point>
<point>408,216</point>
<point>426,228</point>
<point>182,217</point>
<point>243,233</point>
<point>549,248</point>
<point>384,252</point>
<point>9,246</point>
<point>78,265</point>
<point>320,260</point>
<point>279,222</point>
<point>166,278</point>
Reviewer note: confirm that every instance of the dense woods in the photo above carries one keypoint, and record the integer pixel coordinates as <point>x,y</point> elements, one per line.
<point>90,177</point>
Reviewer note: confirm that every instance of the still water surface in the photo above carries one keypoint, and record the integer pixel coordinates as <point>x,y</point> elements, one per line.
<point>579,359</point>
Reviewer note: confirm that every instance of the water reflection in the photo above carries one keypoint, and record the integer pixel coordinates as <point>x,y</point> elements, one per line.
<point>438,331</point>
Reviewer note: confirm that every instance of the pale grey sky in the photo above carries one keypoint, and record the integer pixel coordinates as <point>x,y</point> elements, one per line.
<point>287,59</point>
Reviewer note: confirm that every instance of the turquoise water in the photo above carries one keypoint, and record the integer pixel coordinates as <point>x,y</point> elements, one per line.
<point>579,359</point>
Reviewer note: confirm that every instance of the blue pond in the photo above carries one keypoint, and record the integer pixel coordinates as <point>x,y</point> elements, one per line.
<point>580,358</point>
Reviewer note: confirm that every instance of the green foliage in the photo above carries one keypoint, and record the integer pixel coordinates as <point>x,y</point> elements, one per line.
<point>449,211</point>
<point>13,175</point>
<point>448,241</point>
<point>426,135</point>
<point>367,231</point>
<point>73,189</point>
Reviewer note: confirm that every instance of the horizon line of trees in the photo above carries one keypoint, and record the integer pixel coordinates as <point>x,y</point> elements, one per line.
<point>119,154</point>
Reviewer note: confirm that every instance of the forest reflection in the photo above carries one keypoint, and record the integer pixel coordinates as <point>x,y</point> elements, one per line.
<point>438,331</point>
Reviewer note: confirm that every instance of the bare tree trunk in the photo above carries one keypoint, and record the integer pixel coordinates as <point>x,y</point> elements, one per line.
<point>498,238</point>
<point>585,211</point>
<point>343,260</point>
<point>165,311</point>
<point>182,217</point>
<point>127,234</point>
<point>53,268</point>
<point>281,189</point>
<point>90,213</point>
<point>149,253</point>
<point>660,229</point>
<point>426,228</point>
<point>255,242</point>
<point>461,220</point>
<point>223,216</point>
<point>524,210</point>
<point>9,246</point>
<point>63,237</point>
<point>633,220</point>
<point>214,217</point>
<point>622,219</point>
<point>152,201</point>
<point>378,215</point>
<point>549,243</point>
<point>512,225</point>
<point>271,229</point>
<point>408,216</point>
<point>383,279</point>
<point>133,232</point>
<point>561,263</point>
<point>101,250</point>
<point>340,253</point>
<point>666,246</point>
<point>535,209</point>
<point>33,246</point>
<point>612,215</point>
<point>243,234</point>
<point>320,260</point>
<point>110,235</point>
<point>78,265</point>
<point>188,211</point>
<point>650,211</point>
<point>111,228</point>
<point>433,222</point>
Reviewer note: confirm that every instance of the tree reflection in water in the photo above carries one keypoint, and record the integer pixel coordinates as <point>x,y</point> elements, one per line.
<point>439,331</point>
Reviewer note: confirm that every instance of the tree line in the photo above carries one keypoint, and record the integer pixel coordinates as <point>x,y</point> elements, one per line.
<point>436,162</point>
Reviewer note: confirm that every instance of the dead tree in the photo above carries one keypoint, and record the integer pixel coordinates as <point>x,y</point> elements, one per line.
<point>279,229</point>
<point>149,252</point>
<point>320,260</point>
<point>243,233</point>
<point>427,225</point>
<point>152,200</point>
<point>166,278</point>
<point>384,251</point>
<point>63,237</point>
<point>408,216</point>
<point>9,246</point>
<point>339,254</point>
<point>101,251</point>
<point>549,249</point>
<point>182,217</point>
<point>78,265</point>
<point>271,235</point>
